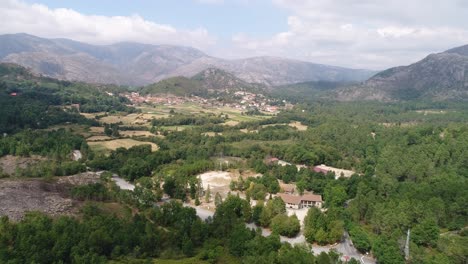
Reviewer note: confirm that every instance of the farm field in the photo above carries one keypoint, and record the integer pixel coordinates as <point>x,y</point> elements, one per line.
<point>107,146</point>
<point>148,112</point>
<point>98,138</point>
<point>96,130</point>
<point>128,120</point>
<point>161,111</point>
<point>82,130</point>
<point>136,133</point>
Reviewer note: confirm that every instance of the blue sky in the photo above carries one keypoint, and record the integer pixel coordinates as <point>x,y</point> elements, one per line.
<point>261,17</point>
<point>371,34</point>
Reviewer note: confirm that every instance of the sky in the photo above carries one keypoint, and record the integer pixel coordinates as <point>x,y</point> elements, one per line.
<point>368,34</point>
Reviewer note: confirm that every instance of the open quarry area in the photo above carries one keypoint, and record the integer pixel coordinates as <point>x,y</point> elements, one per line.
<point>18,197</point>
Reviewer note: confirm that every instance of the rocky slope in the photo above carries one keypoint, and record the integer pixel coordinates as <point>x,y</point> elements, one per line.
<point>141,64</point>
<point>442,76</point>
<point>217,79</point>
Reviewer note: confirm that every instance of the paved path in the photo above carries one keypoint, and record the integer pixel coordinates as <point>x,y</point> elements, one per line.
<point>346,248</point>
<point>201,212</point>
<point>123,184</point>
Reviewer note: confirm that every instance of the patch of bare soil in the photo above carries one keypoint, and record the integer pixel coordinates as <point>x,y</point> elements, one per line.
<point>20,196</point>
<point>10,163</point>
<point>219,181</point>
<point>298,125</point>
<point>80,179</point>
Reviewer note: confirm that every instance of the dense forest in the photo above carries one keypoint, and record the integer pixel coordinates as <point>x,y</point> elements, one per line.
<point>413,177</point>
<point>28,101</point>
<point>410,159</point>
<point>167,231</point>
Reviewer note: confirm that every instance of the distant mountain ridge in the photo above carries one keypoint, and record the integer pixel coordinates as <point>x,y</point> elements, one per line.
<point>441,76</point>
<point>141,64</point>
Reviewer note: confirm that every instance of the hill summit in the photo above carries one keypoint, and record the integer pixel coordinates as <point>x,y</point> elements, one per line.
<point>441,76</point>
<point>209,80</point>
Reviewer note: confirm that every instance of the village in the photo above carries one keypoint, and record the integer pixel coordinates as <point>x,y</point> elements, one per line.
<point>244,101</point>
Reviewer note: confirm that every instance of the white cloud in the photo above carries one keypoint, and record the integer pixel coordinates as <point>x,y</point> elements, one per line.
<point>42,21</point>
<point>373,34</point>
<point>363,33</point>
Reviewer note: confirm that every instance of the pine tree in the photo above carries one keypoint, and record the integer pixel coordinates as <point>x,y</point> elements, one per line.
<point>218,199</point>
<point>208,194</point>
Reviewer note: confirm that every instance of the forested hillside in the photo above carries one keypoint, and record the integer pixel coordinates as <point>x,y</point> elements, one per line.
<point>29,101</point>
<point>409,164</point>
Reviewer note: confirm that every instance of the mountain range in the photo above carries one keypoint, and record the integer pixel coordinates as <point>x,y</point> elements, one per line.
<point>142,64</point>
<point>165,68</point>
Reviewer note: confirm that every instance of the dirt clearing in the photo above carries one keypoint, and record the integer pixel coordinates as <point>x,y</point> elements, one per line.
<point>215,179</point>
<point>219,181</point>
<point>20,196</point>
<point>231,123</point>
<point>80,179</point>
<point>298,126</point>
